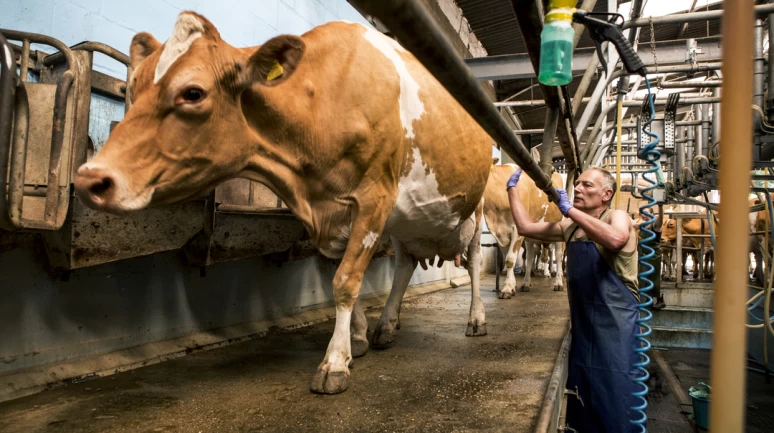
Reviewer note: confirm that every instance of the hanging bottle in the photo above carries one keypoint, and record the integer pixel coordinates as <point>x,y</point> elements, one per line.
<point>556,44</point>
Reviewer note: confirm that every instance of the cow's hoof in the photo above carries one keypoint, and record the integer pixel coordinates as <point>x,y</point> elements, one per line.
<point>329,383</point>
<point>475,330</point>
<point>505,294</point>
<point>359,348</point>
<point>558,288</point>
<point>524,288</point>
<point>383,338</point>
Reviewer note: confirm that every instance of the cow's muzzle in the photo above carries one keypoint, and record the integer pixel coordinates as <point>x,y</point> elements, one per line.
<point>95,186</point>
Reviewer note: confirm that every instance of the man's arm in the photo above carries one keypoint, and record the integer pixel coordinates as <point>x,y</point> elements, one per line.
<point>546,232</point>
<point>613,236</point>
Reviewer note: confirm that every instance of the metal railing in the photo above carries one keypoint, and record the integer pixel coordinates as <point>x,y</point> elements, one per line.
<point>13,87</point>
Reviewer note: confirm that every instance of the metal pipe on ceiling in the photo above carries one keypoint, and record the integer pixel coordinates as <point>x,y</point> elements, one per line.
<point>417,31</point>
<point>692,17</point>
<point>689,84</point>
<point>592,105</point>
<point>527,103</point>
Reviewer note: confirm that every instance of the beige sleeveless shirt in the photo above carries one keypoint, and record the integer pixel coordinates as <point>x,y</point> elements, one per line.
<point>623,263</point>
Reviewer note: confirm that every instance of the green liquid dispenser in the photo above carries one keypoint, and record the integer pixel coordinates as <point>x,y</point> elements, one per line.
<point>556,44</point>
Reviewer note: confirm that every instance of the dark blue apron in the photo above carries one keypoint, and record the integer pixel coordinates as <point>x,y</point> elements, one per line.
<point>603,314</point>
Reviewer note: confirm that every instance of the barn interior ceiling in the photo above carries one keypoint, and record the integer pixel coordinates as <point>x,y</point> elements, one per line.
<point>495,25</point>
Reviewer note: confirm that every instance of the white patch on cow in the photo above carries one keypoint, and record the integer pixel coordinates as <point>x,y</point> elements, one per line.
<point>411,107</point>
<point>9,58</point>
<point>188,28</point>
<point>421,211</point>
<point>540,193</point>
<point>545,210</point>
<point>339,354</point>
<point>370,239</point>
<point>344,278</point>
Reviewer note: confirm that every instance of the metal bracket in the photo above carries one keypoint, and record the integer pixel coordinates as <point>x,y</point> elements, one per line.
<point>670,114</point>
<point>576,393</point>
<point>691,51</point>
<point>57,195</point>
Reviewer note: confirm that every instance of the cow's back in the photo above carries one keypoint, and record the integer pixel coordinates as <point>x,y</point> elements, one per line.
<point>377,131</point>
<point>437,154</point>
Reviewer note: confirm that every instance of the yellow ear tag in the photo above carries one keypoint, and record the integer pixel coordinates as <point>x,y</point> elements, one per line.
<point>275,72</point>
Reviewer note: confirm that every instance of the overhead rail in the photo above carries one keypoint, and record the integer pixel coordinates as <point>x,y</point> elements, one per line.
<point>419,33</point>
<point>692,17</point>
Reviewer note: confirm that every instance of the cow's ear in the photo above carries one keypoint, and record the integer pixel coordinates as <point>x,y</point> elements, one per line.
<point>495,161</point>
<point>143,45</point>
<point>275,61</point>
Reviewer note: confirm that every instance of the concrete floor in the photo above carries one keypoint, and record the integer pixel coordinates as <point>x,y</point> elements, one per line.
<point>434,379</point>
<point>693,366</point>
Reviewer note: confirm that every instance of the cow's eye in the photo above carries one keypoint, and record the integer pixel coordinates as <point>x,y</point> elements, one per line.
<point>192,95</point>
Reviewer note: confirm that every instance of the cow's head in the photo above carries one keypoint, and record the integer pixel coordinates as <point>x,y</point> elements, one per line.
<point>669,230</point>
<point>186,131</point>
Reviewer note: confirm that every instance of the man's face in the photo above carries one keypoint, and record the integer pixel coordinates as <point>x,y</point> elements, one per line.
<point>589,192</point>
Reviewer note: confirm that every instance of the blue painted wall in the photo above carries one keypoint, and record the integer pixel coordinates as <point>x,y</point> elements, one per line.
<point>115,22</point>
<point>241,23</point>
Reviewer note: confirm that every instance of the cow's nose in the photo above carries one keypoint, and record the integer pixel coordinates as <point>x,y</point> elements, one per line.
<point>95,185</point>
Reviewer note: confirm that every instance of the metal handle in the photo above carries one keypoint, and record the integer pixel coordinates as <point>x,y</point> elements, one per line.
<point>7,102</point>
<point>57,199</point>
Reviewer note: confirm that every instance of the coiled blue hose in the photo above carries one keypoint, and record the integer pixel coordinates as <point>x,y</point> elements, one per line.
<point>651,155</point>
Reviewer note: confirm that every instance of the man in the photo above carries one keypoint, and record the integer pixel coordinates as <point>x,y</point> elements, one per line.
<point>602,290</point>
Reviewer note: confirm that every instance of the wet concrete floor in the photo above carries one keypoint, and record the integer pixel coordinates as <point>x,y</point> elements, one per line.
<point>434,379</point>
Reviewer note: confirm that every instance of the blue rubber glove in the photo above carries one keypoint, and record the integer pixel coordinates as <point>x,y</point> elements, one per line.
<point>564,203</point>
<point>514,179</point>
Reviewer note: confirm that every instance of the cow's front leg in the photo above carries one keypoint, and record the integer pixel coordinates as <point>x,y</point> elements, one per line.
<point>477,321</point>
<point>359,338</point>
<point>530,247</point>
<point>389,322</point>
<point>559,279</point>
<point>332,375</point>
<point>509,288</point>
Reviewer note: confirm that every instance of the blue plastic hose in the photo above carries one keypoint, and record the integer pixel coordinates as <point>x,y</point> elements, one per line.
<point>651,155</point>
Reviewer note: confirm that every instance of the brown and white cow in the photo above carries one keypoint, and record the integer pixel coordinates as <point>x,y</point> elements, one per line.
<point>693,226</point>
<point>345,126</point>
<point>499,219</point>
